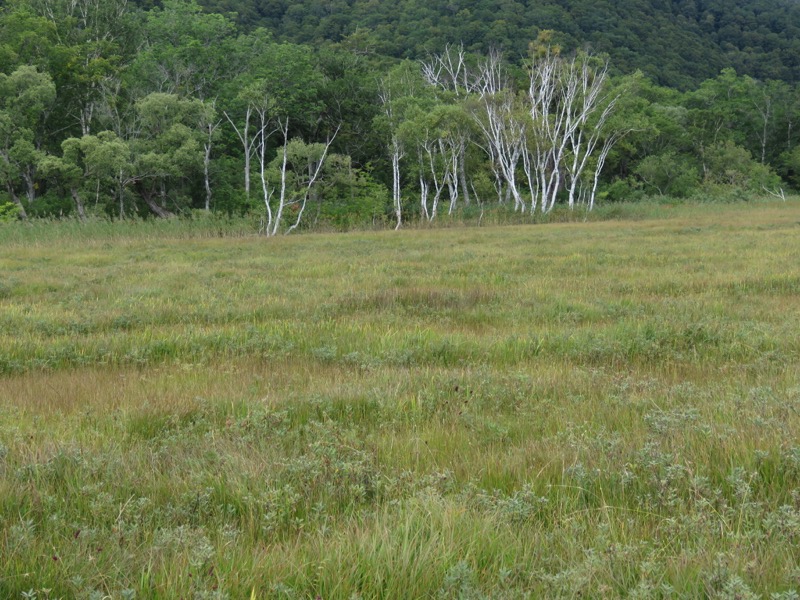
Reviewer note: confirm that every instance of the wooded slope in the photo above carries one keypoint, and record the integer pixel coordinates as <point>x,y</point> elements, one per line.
<point>677,43</point>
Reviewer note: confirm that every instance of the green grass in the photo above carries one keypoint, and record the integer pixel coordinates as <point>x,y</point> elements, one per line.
<point>601,409</point>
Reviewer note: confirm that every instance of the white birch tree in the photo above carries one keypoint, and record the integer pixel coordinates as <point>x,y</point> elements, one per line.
<point>403,95</point>
<point>297,169</point>
<point>570,110</point>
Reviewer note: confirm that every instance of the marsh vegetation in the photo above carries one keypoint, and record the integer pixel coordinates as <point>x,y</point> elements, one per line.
<point>598,409</point>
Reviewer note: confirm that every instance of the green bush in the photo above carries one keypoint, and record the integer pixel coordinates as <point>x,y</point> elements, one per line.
<point>668,174</point>
<point>354,199</point>
<point>730,165</point>
<point>8,212</point>
<point>621,190</point>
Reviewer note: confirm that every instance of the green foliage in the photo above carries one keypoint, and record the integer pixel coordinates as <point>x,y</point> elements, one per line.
<point>187,52</point>
<point>25,96</point>
<point>669,174</point>
<point>128,109</point>
<point>8,212</point>
<point>790,165</point>
<point>733,166</point>
<point>351,198</point>
<point>283,80</point>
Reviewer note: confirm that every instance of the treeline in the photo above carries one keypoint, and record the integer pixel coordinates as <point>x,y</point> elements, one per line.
<point>112,110</point>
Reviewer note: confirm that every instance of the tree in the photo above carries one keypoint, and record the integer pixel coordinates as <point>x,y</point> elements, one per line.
<point>26,96</point>
<point>347,196</point>
<point>69,170</point>
<point>298,168</point>
<point>209,122</point>
<point>502,123</point>
<point>440,136</point>
<point>281,81</point>
<point>404,95</point>
<point>668,174</point>
<point>25,38</point>
<point>186,51</point>
<point>169,147</point>
<point>92,39</point>
<point>731,165</point>
<point>106,162</point>
<point>570,110</point>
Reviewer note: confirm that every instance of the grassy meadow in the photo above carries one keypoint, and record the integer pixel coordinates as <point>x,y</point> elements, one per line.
<point>578,410</point>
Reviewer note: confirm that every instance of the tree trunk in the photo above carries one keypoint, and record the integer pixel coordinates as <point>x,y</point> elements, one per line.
<point>206,177</point>
<point>15,199</point>
<point>462,177</point>
<point>157,209</point>
<point>396,196</point>
<point>247,145</point>
<point>284,128</point>
<point>78,203</point>
<point>30,186</point>
<point>121,195</point>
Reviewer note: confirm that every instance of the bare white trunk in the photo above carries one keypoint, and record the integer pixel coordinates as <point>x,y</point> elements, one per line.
<point>397,154</point>
<point>462,174</point>
<point>265,186</point>
<point>530,176</point>
<point>284,129</point>
<point>608,144</point>
<point>504,139</point>
<point>30,184</point>
<point>451,176</point>
<point>439,163</point>
<point>210,128</point>
<point>565,98</point>
<point>312,180</point>
<point>765,111</point>
<point>423,197</point>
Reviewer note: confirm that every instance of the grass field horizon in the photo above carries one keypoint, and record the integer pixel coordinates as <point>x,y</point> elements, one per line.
<point>602,409</point>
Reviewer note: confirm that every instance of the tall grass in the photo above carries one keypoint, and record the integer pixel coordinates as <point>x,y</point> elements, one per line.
<point>201,225</point>
<point>601,410</point>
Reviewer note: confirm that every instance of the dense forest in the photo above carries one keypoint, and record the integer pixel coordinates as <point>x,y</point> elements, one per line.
<point>342,113</point>
<point>677,43</point>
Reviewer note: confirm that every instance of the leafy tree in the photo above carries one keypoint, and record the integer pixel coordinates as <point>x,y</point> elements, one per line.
<point>349,92</point>
<point>404,97</point>
<point>70,171</point>
<point>25,38</point>
<point>93,40</point>
<point>292,181</point>
<point>669,174</point>
<point>26,95</point>
<point>168,150</point>
<point>107,161</point>
<point>186,52</point>
<point>731,165</point>
<point>348,196</point>
<point>280,84</point>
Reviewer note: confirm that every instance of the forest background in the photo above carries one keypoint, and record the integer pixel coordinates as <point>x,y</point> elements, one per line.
<point>350,113</point>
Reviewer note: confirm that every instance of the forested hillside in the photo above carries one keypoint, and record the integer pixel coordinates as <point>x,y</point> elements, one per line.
<point>677,43</point>
<point>344,114</point>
